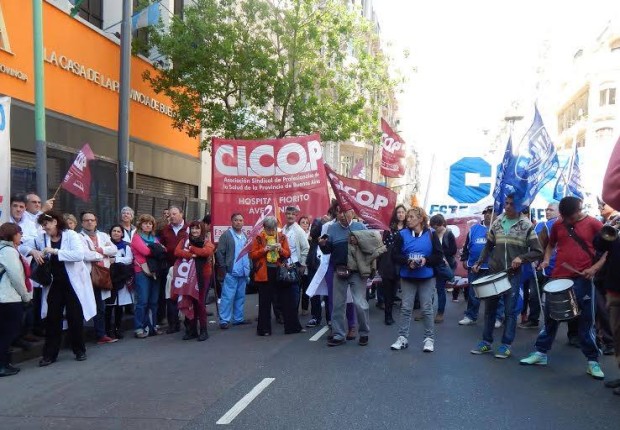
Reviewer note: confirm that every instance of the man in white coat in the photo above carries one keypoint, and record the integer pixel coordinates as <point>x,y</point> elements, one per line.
<point>98,249</point>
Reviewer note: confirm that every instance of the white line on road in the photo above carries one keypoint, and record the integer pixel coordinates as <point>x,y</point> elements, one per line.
<point>320,333</point>
<point>244,402</point>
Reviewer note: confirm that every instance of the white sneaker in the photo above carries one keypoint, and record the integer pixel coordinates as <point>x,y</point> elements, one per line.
<point>498,323</point>
<point>401,343</point>
<point>467,321</point>
<point>429,345</point>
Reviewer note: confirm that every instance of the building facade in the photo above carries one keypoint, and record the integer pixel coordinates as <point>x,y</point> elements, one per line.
<point>81,75</point>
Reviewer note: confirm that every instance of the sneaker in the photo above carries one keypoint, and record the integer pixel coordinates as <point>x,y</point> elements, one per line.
<point>467,321</point>
<point>529,324</point>
<point>503,351</point>
<point>535,357</point>
<point>455,300</point>
<point>336,342</point>
<point>363,341</point>
<point>429,345</point>
<point>106,339</point>
<point>401,343</point>
<point>498,323</point>
<point>594,370</point>
<point>312,323</point>
<point>481,348</point>
<point>438,318</point>
<point>608,350</point>
<point>141,334</point>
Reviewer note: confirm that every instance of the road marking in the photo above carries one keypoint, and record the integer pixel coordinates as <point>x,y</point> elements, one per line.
<point>319,334</point>
<point>244,402</point>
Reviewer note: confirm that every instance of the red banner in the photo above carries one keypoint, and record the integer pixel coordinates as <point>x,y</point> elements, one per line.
<point>247,174</point>
<point>185,285</point>
<point>392,152</point>
<point>371,202</point>
<point>611,182</point>
<point>77,179</point>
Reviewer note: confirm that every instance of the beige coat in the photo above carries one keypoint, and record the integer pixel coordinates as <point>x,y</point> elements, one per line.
<point>363,256</point>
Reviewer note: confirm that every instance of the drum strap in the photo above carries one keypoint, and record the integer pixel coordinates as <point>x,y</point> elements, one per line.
<point>579,240</point>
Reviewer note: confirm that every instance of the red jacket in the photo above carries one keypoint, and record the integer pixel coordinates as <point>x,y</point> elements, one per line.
<point>205,251</point>
<point>171,240</point>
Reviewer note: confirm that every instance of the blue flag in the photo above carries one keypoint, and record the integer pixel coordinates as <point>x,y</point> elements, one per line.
<point>536,164</point>
<point>569,181</point>
<point>146,17</point>
<point>499,193</point>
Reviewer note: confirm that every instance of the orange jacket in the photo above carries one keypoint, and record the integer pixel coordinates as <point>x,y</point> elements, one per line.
<point>205,251</point>
<point>259,255</point>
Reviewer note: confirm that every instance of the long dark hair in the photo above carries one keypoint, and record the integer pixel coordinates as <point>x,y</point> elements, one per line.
<point>394,218</point>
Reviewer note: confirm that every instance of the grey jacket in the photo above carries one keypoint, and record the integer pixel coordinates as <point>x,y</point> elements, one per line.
<point>13,281</point>
<point>225,253</point>
<point>362,256</point>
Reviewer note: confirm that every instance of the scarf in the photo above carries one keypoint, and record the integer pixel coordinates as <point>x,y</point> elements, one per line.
<point>90,233</point>
<point>198,242</point>
<point>150,238</point>
<point>120,245</point>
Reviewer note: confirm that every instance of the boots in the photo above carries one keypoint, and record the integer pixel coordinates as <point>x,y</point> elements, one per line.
<point>190,333</point>
<point>388,316</point>
<point>204,334</point>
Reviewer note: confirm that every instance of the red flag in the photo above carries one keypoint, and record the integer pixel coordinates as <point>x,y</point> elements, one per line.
<point>358,170</point>
<point>185,285</point>
<point>373,203</point>
<point>268,211</point>
<point>276,211</point>
<point>611,182</point>
<point>77,179</point>
<point>392,152</point>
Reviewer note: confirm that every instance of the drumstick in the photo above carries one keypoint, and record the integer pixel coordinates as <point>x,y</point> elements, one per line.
<point>571,268</point>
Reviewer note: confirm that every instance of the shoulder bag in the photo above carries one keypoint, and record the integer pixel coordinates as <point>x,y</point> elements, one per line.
<point>100,277</point>
<point>41,273</point>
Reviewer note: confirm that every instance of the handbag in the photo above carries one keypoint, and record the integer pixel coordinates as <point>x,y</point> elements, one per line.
<point>100,277</point>
<point>343,272</point>
<point>41,273</point>
<point>288,275</point>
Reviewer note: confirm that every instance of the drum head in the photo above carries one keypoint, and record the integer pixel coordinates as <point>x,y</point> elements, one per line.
<point>490,278</point>
<point>558,285</point>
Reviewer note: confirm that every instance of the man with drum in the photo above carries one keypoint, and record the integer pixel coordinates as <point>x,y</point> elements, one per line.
<point>511,241</point>
<point>572,236</point>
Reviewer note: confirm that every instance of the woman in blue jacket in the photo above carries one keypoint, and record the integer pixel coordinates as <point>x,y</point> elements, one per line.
<point>417,250</point>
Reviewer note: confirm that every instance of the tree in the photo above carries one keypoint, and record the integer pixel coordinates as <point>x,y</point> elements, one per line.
<point>260,68</point>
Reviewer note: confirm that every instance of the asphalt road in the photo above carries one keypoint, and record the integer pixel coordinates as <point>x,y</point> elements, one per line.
<point>166,383</point>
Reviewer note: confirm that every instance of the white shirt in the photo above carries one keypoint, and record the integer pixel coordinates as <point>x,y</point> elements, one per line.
<point>29,234</point>
<point>289,231</point>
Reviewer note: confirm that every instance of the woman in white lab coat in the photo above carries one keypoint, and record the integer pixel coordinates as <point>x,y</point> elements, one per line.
<point>71,288</point>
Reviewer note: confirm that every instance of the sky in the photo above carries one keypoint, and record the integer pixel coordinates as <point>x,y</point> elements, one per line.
<point>474,59</point>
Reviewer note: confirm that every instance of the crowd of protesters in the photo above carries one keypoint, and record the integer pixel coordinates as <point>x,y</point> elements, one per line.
<point>54,274</point>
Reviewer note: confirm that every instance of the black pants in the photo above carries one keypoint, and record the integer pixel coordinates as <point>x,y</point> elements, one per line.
<point>390,286</point>
<point>305,300</point>
<point>118,318</point>
<point>11,315</point>
<point>603,326</point>
<point>316,308</point>
<point>62,297</point>
<point>267,296</point>
<point>37,322</point>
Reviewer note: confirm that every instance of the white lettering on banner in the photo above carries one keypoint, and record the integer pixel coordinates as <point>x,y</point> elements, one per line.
<point>364,198</point>
<point>92,75</point>
<point>291,159</point>
<point>183,272</point>
<point>389,144</point>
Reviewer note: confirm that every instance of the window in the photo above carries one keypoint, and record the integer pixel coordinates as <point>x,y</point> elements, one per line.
<point>92,11</point>
<point>604,134</point>
<point>607,97</point>
<point>178,8</point>
<point>141,35</point>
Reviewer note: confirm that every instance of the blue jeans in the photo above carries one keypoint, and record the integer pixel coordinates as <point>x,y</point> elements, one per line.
<point>473,304</point>
<point>233,299</point>
<point>585,292</point>
<point>147,296</point>
<point>510,320</point>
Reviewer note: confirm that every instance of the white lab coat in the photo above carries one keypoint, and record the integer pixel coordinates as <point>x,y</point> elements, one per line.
<point>71,252</point>
<point>91,256</point>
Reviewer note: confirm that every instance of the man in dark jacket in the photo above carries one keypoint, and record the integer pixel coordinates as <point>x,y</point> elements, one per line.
<point>170,236</point>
